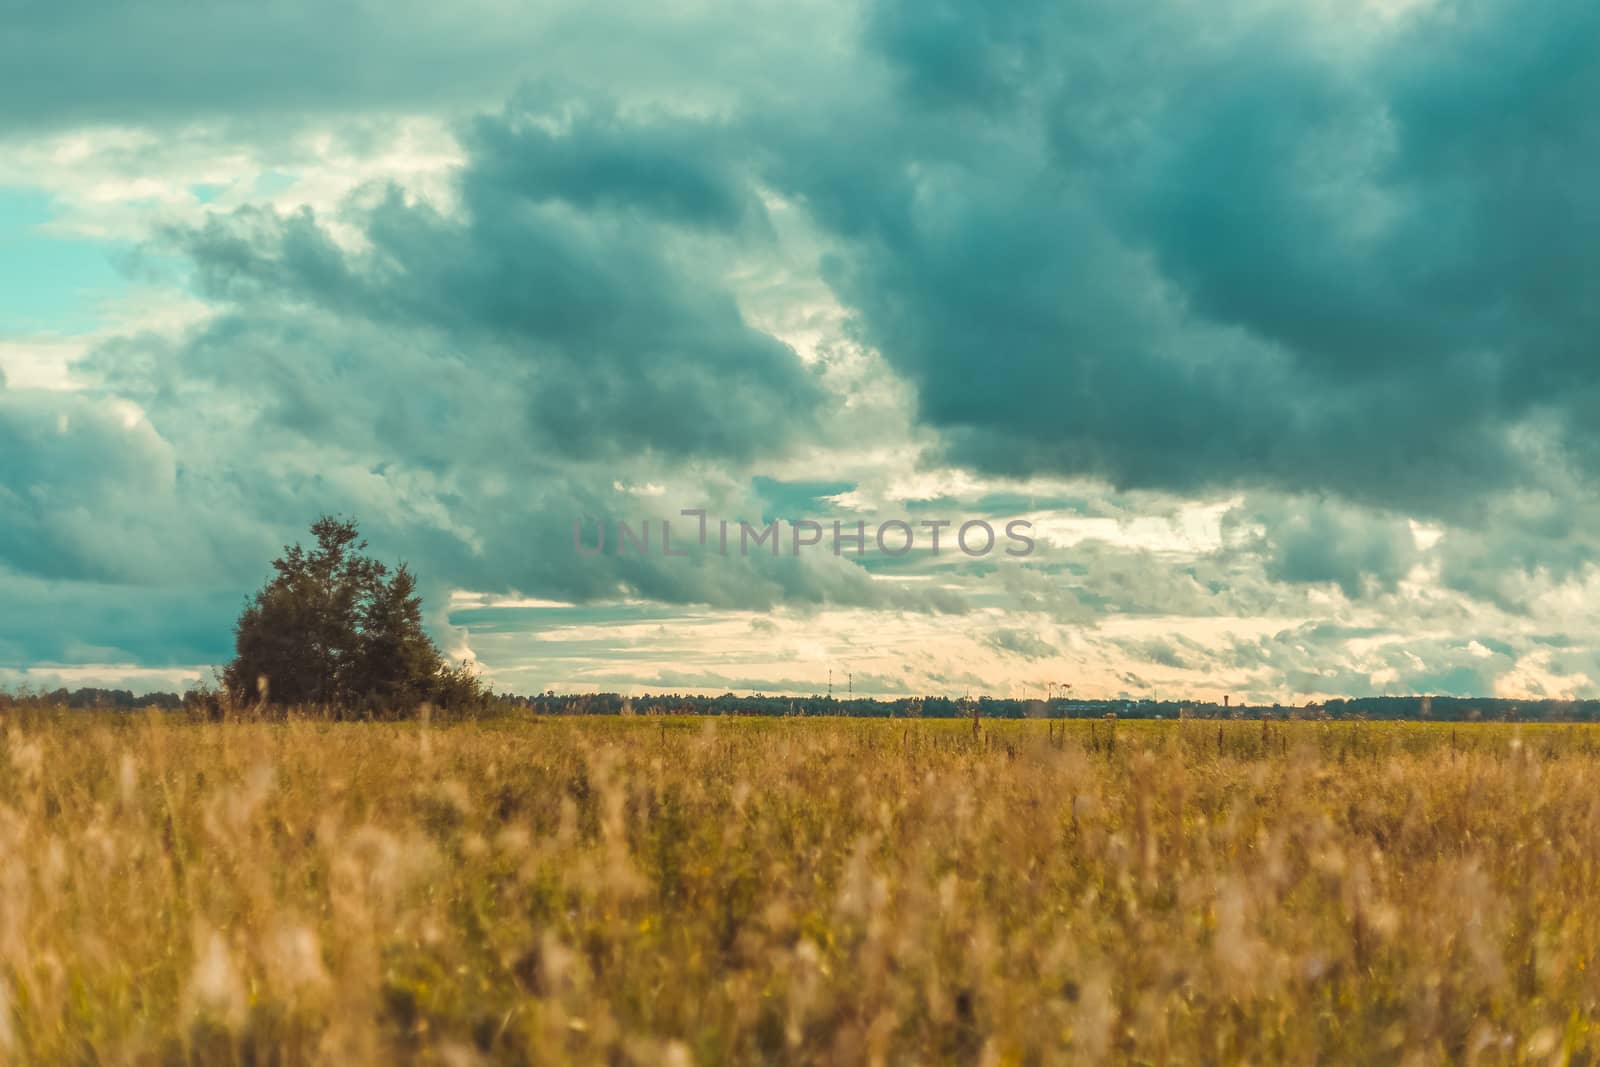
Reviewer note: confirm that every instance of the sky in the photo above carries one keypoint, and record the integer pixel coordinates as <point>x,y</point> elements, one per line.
<point>1274,319</point>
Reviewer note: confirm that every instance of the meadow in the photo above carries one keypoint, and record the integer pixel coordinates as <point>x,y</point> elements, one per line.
<point>650,890</point>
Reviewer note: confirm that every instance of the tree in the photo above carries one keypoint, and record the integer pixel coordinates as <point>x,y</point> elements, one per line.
<point>336,628</point>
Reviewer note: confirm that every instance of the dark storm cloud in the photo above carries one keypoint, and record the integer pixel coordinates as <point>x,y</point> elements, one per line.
<point>1316,541</point>
<point>1220,245</point>
<point>467,383</point>
<point>617,336</point>
<point>549,147</point>
<point>151,626</point>
<point>282,419</point>
<point>1537,542</point>
<point>1345,265</point>
<point>90,491</point>
<point>1185,247</point>
<point>57,458</point>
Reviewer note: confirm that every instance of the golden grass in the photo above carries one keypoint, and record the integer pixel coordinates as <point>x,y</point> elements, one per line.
<point>821,891</point>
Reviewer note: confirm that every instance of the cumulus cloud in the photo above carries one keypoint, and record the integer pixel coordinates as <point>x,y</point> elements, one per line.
<point>1314,541</point>
<point>88,488</point>
<point>1223,245</point>
<point>617,340</point>
<point>1320,277</point>
<point>472,382</point>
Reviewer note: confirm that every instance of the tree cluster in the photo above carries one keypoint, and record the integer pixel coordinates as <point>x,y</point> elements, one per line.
<point>334,628</point>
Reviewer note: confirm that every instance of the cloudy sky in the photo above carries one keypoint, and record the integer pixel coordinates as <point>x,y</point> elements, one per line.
<point>1276,318</point>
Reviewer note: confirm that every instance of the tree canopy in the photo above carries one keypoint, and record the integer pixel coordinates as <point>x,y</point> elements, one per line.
<point>336,628</point>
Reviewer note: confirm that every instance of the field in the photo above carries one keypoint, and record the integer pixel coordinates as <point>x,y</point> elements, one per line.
<point>674,891</point>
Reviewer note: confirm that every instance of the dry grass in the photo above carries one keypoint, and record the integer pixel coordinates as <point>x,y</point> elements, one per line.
<point>677,891</point>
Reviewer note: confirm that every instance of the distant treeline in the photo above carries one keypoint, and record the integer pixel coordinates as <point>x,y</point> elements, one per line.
<point>1448,709</point>
<point>1444,709</point>
<point>93,698</point>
